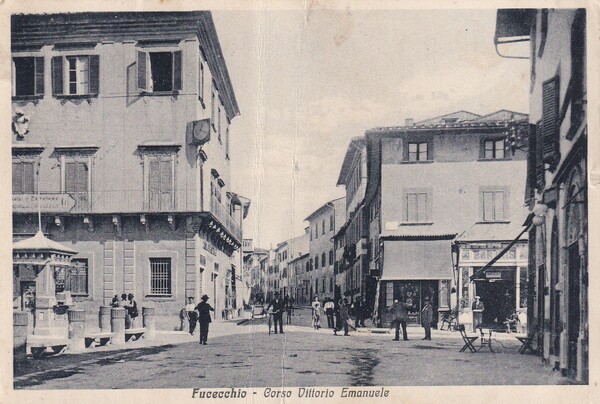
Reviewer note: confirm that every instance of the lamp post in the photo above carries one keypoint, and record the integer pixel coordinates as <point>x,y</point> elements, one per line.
<point>455,262</point>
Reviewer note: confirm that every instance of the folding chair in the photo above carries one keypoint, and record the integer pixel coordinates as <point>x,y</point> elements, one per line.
<point>527,341</point>
<point>468,340</point>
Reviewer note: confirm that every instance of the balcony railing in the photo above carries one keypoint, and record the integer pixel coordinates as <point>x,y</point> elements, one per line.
<point>123,202</point>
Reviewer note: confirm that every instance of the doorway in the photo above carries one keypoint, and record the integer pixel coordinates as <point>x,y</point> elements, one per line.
<point>498,298</point>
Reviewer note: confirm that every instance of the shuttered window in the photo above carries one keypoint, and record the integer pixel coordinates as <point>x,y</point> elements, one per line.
<point>160,183</point>
<point>416,207</point>
<point>28,76</point>
<point>76,75</point>
<point>76,177</point>
<point>159,71</point>
<point>550,127</point>
<point>539,156</point>
<point>23,177</point>
<point>493,206</point>
<point>160,276</point>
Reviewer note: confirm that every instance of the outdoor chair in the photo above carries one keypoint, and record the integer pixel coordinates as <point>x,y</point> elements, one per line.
<point>527,341</point>
<point>468,340</point>
<point>449,319</point>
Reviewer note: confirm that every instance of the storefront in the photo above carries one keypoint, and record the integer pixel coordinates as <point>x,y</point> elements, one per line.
<point>412,271</point>
<point>501,287</point>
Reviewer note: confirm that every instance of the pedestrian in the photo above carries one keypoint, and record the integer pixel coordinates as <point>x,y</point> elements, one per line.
<point>365,314</point>
<point>278,307</point>
<point>192,314</point>
<point>288,310</point>
<point>345,316</point>
<point>478,309</point>
<point>115,301</point>
<point>183,318</point>
<point>204,319</point>
<point>358,312</point>
<point>400,316</point>
<point>132,310</point>
<point>316,313</point>
<point>124,303</point>
<point>329,307</point>
<point>427,318</point>
<point>338,318</point>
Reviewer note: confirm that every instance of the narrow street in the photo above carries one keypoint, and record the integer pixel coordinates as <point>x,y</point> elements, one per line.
<point>300,357</point>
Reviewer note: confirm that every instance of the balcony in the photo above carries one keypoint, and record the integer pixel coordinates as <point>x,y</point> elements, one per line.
<point>123,202</point>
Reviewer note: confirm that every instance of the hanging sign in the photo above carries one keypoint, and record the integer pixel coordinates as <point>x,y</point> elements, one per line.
<point>55,203</point>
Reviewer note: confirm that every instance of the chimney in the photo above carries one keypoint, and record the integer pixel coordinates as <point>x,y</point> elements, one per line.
<point>409,122</point>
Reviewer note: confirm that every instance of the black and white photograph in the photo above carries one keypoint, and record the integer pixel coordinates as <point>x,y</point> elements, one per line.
<point>306,200</point>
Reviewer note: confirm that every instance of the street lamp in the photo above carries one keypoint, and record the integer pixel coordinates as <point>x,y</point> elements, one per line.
<point>455,248</point>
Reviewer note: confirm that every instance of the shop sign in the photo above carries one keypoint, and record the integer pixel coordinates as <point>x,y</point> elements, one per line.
<point>493,275</point>
<point>56,203</point>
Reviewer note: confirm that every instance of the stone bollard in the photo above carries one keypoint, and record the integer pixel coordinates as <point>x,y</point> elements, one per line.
<point>149,322</point>
<point>76,330</point>
<point>20,322</point>
<point>104,318</point>
<point>117,325</point>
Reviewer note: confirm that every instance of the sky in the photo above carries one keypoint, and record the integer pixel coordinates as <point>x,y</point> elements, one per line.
<point>307,82</point>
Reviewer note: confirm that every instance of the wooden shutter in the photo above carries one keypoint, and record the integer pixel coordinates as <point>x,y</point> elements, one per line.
<point>430,150</point>
<point>70,177</point>
<point>166,183</point>
<point>550,120</point>
<point>57,75</point>
<point>177,70</point>
<point>39,76</point>
<point>142,67</point>
<point>531,173</point>
<point>81,177</point>
<point>154,184</point>
<point>28,178</point>
<point>94,74</point>
<point>539,156</point>
<point>17,178</point>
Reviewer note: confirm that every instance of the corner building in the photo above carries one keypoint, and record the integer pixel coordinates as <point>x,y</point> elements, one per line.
<point>126,141</point>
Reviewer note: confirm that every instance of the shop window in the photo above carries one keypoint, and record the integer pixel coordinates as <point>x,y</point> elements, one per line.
<point>75,75</point>
<point>159,71</point>
<point>28,76</point>
<point>77,277</point>
<point>160,276</point>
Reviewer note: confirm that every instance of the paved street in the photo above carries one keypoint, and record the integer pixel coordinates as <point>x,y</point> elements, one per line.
<point>300,357</point>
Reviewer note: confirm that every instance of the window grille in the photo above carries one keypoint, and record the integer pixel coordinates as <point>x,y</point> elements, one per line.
<point>160,276</point>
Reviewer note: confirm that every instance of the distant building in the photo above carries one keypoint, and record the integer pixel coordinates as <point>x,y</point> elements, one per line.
<point>122,129</point>
<point>353,271</point>
<point>556,186</point>
<point>430,183</point>
<point>323,224</point>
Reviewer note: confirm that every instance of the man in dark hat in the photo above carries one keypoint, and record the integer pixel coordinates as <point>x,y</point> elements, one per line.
<point>427,318</point>
<point>204,319</point>
<point>278,307</point>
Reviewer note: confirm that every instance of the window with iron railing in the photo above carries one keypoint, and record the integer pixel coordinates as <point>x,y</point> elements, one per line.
<point>160,276</point>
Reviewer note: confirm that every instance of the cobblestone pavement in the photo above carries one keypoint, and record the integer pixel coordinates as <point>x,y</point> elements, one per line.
<point>300,357</point>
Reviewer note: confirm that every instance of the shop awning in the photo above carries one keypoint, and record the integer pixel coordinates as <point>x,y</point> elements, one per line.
<point>416,259</point>
<point>482,270</point>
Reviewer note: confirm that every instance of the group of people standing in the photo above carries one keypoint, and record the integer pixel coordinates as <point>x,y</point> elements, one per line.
<point>193,314</point>
<point>127,302</point>
<point>399,311</point>
<point>339,314</point>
